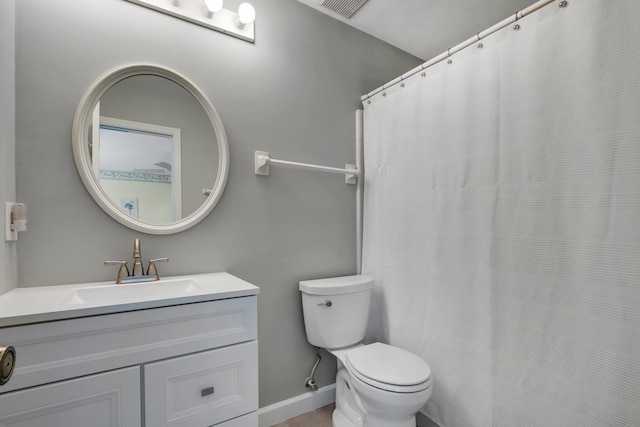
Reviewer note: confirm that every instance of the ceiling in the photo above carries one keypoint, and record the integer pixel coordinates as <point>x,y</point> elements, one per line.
<point>426,28</point>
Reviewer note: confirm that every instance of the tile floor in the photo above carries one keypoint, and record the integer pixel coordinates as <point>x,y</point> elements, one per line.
<point>320,417</point>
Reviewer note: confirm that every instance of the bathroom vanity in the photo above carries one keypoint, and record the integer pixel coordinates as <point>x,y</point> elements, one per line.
<point>179,352</point>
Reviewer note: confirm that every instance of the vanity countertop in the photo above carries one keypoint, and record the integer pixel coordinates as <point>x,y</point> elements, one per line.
<point>48,303</point>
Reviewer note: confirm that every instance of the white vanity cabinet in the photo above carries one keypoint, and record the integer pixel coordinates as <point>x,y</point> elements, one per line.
<point>182,365</point>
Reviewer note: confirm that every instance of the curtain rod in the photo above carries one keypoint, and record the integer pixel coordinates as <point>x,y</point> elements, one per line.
<point>481,35</point>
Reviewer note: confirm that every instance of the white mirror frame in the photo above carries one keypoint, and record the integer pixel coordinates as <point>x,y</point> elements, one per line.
<point>80,141</point>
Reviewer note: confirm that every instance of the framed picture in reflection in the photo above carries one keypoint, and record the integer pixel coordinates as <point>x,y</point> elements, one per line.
<point>129,205</point>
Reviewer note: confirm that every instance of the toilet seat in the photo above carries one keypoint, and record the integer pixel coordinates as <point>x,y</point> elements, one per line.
<point>389,368</point>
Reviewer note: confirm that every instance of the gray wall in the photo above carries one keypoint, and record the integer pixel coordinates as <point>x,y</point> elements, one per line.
<point>8,264</point>
<point>292,93</point>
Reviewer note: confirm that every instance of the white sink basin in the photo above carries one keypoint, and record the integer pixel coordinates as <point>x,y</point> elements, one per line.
<point>132,292</point>
<point>47,303</point>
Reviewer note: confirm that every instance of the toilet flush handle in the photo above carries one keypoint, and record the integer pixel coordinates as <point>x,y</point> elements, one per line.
<point>328,303</point>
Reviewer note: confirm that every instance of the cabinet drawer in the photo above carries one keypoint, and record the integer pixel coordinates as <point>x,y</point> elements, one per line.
<point>55,351</point>
<point>202,389</point>
<point>111,399</point>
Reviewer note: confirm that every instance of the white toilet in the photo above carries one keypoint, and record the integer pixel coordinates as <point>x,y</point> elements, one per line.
<point>377,385</point>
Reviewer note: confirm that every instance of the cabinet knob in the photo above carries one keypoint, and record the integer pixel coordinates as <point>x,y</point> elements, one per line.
<point>7,363</point>
<point>206,391</point>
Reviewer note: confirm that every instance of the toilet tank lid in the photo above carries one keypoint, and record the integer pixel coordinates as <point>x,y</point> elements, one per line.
<point>337,285</point>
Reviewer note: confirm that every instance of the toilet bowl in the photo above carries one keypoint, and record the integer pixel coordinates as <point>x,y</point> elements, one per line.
<point>377,384</point>
<point>380,385</point>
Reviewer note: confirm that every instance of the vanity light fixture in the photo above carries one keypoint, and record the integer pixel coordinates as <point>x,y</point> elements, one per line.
<point>15,220</point>
<point>209,14</point>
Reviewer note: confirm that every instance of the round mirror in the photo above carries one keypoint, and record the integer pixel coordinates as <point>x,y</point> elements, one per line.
<point>150,148</point>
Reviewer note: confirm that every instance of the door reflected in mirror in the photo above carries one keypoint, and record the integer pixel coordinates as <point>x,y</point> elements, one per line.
<point>139,166</point>
<point>150,148</point>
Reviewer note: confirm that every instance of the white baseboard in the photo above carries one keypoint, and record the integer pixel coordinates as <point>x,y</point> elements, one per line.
<point>298,405</point>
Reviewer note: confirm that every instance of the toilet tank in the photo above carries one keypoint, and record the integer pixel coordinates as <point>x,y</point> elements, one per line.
<point>336,310</point>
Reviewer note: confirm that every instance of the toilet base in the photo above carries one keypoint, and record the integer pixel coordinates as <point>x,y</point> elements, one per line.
<point>339,420</point>
<point>381,422</point>
<point>350,411</point>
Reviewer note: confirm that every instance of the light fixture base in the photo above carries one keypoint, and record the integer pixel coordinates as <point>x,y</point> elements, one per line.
<point>192,11</point>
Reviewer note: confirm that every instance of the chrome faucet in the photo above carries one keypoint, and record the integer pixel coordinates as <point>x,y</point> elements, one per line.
<point>137,271</point>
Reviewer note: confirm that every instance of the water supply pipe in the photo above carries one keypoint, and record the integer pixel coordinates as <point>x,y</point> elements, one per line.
<point>310,382</point>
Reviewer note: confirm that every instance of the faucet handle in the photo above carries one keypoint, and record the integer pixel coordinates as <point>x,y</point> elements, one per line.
<point>122,272</point>
<point>152,270</point>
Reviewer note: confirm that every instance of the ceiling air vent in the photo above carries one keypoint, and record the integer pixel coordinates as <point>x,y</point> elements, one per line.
<point>345,8</point>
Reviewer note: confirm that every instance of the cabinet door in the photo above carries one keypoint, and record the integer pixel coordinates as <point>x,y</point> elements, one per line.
<point>202,389</point>
<point>111,399</point>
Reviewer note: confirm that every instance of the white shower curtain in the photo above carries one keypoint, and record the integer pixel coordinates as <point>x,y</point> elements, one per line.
<point>502,221</point>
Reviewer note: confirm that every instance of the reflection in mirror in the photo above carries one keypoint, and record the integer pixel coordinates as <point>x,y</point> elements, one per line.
<point>138,164</point>
<point>150,120</point>
<point>147,145</point>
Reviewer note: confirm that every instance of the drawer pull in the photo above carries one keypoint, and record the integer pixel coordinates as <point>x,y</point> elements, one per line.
<point>206,391</point>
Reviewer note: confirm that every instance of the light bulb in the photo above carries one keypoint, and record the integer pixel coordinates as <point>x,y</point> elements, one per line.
<point>212,6</point>
<point>246,15</point>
